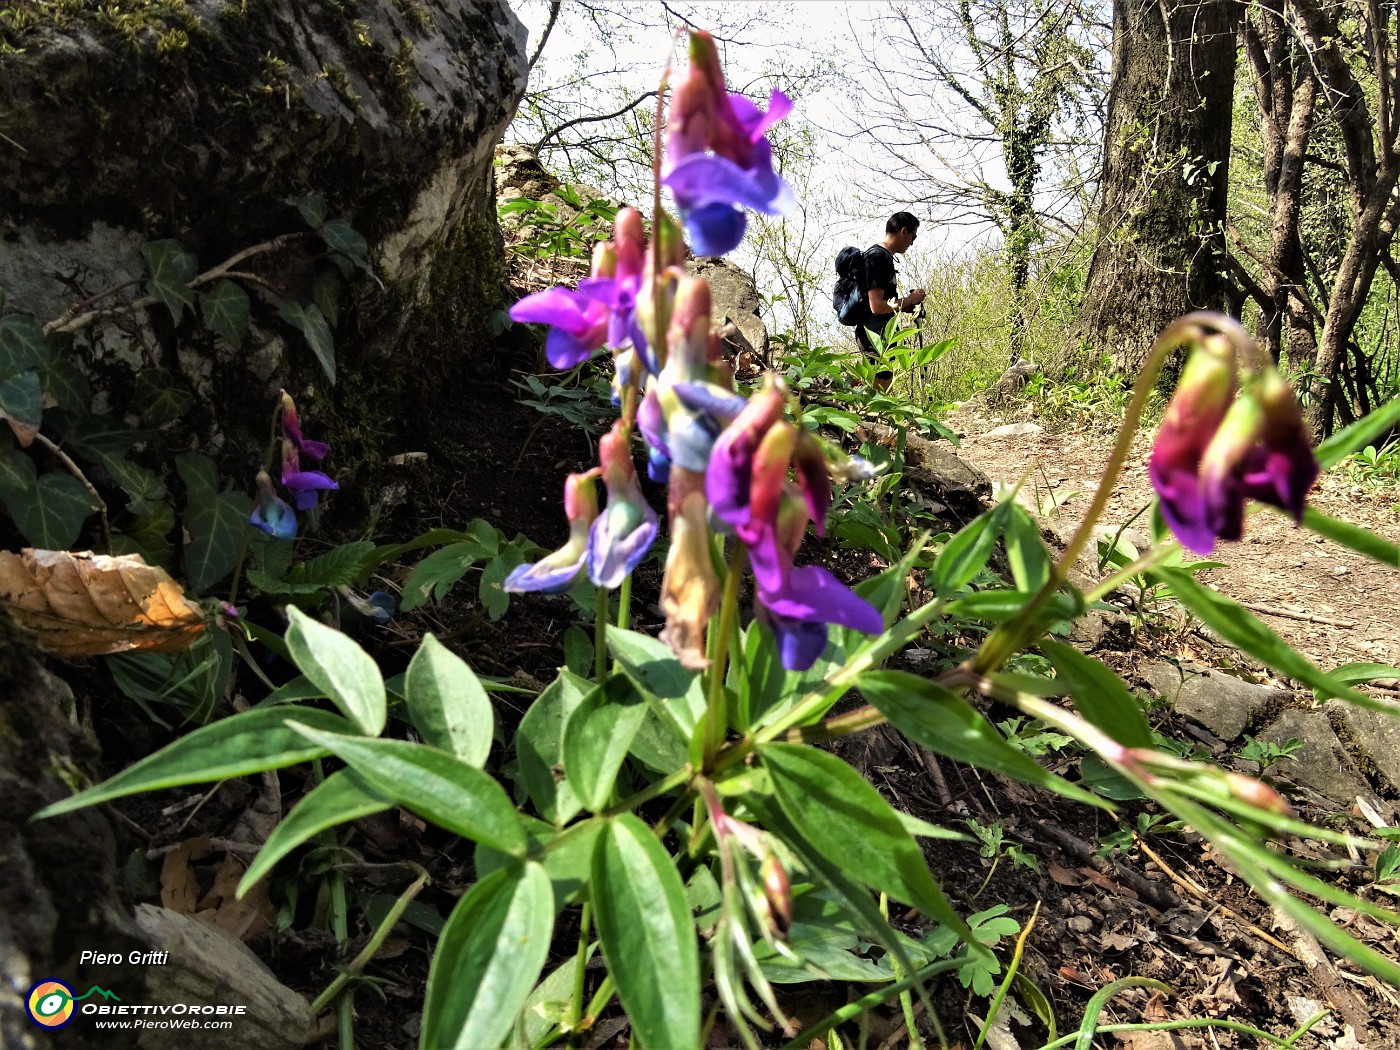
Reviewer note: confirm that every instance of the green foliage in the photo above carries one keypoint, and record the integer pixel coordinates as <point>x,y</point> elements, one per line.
<point>555,232</point>
<point>1267,753</point>
<point>481,546</point>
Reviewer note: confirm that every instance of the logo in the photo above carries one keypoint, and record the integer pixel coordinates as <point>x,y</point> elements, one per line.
<point>50,1002</point>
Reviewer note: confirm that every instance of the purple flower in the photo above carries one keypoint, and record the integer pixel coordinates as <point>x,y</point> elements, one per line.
<point>1210,454</point>
<point>717,158</point>
<point>303,484</point>
<point>603,309</point>
<point>272,514</point>
<point>748,488</point>
<point>624,532</point>
<point>557,572</point>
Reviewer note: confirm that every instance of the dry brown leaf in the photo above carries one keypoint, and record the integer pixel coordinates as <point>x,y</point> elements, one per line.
<point>179,885</point>
<point>246,918</point>
<point>85,604</point>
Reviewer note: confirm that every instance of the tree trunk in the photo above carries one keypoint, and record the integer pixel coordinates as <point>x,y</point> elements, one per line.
<point>1160,249</point>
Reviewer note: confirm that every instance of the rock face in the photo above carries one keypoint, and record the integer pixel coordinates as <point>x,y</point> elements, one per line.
<point>734,307</point>
<point>200,125</point>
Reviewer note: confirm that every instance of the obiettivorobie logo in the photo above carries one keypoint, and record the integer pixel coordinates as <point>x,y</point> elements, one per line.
<point>50,1003</point>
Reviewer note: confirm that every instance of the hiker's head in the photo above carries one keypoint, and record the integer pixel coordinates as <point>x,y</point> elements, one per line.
<point>901,229</point>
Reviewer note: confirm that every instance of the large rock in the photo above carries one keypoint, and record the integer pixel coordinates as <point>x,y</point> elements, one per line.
<point>734,307</point>
<point>201,123</point>
<point>1374,735</point>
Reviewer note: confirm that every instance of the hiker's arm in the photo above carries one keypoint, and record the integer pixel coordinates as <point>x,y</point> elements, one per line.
<point>882,307</point>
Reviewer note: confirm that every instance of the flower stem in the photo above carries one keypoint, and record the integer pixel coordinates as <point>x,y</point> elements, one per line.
<point>1011,636</point>
<point>600,634</point>
<point>575,1014</point>
<point>716,709</point>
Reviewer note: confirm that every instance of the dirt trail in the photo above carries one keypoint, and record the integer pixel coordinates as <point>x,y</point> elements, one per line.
<point>1345,607</point>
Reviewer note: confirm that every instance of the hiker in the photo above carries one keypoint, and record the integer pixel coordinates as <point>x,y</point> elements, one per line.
<point>878,283</point>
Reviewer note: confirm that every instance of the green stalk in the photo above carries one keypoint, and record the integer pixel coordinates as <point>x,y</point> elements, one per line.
<point>1011,636</point>
<point>870,1001</point>
<point>600,634</point>
<point>716,709</point>
<point>575,1015</point>
<point>376,940</point>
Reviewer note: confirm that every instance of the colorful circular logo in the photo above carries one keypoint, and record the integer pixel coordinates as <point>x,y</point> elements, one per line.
<point>50,1004</point>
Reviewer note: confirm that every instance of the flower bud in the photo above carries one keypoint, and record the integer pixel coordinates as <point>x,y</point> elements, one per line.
<point>1257,794</point>
<point>777,891</point>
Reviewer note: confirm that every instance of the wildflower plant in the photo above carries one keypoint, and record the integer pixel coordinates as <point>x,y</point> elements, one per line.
<point>674,801</point>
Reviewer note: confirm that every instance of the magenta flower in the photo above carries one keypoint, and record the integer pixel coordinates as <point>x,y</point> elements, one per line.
<point>623,533</point>
<point>303,484</point>
<point>272,514</point>
<point>1202,398</point>
<point>558,571</point>
<point>603,309</point>
<point>748,489</point>
<point>1211,455</point>
<point>1261,452</point>
<point>717,158</point>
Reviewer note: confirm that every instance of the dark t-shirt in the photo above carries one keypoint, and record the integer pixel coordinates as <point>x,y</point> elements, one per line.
<point>879,273</point>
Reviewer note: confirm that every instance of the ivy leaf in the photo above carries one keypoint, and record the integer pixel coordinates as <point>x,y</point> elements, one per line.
<point>225,310</point>
<point>312,324</point>
<point>149,536</point>
<point>313,209</point>
<point>214,521</point>
<point>143,486</point>
<point>66,384</point>
<point>22,347</point>
<point>341,237</point>
<point>325,289</point>
<point>172,268</point>
<point>53,515</point>
<point>157,399</point>
<point>22,404</point>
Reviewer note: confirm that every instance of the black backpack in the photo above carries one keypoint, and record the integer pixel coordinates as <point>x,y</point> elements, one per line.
<point>848,297</point>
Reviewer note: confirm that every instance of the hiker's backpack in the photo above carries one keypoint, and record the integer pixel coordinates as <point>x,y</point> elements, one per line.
<point>848,297</point>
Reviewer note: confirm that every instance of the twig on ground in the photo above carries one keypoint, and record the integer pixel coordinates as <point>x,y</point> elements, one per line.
<point>1309,952</point>
<point>1274,610</point>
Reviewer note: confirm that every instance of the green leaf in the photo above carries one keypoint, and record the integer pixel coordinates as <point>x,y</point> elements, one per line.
<point>338,665</point>
<point>325,292</point>
<point>436,574</point>
<point>22,399</point>
<point>966,553</point>
<point>214,521</point>
<point>675,691</point>
<point>158,399</point>
<point>1363,432</point>
<point>849,820</point>
<point>567,855</point>
<point>338,567</point>
<point>52,516</point>
<point>17,473</point>
<point>597,738</point>
<point>493,595</point>
<point>1025,550</point>
<point>312,324</point>
<point>143,486</point>
<point>65,383</point>
<point>1238,626</point>
<point>341,237</point>
<point>489,957</point>
<point>948,725</point>
<point>250,742</point>
<point>313,209</point>
<point>340,798</point>
<point>101,437</point>
<point>172,268</point>
<point>998,606</point>
<point>648,939</point>
<point>539,747</point>
<point>225,309</point>
<point>149,535</point>
<point>435,785</point>
<point>22,346</point>
<point>1363,672</point>
<point>1363,541</point>
<point>448,706</point>
<point>1099,695</point>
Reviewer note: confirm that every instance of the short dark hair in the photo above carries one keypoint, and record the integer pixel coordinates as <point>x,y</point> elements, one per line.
<point>902,220</point>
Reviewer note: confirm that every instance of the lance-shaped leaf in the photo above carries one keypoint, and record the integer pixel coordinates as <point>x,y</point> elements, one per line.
<point>1099,695</point>
<point>845,817</point>
<point>250,742</point>
<point>647,934</point>
<point>431,783</point>
<point>539,747</point>
<point>948,725</point>
<point>318,333</point>
<point>338,665</point>
<point>447,703</point>
<point>340,798</point>
<point>489,956</point>
<point>598,736</point>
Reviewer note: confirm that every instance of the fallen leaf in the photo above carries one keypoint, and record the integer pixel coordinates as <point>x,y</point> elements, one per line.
<point>179,885</point>
<point>1063,875</point>
<point>85,604</point>
<point>246,918</point>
